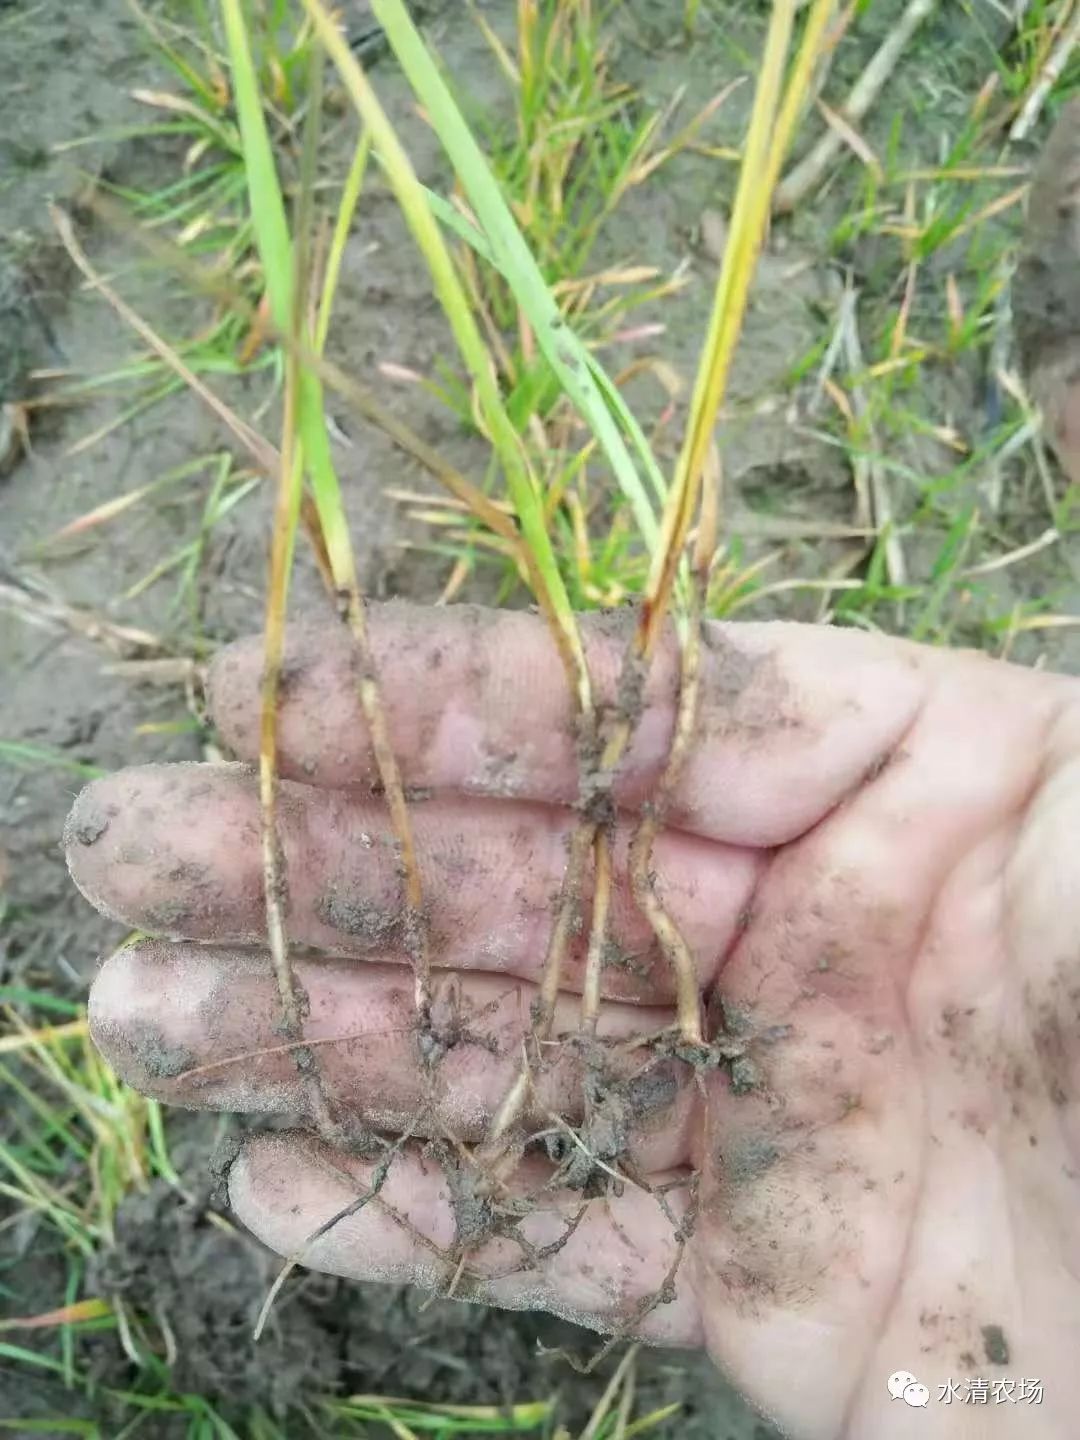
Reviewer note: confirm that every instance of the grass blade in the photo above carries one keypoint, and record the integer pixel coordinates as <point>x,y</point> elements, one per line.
<point>266,202</point>
<point>564,351</point>
<point>521,483</point>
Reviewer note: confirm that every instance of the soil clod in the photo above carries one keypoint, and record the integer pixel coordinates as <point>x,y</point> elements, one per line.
<point>88,821</point>
<point>995,1346</point>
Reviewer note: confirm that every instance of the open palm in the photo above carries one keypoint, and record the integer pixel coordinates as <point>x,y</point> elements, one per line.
<point>874,858</point>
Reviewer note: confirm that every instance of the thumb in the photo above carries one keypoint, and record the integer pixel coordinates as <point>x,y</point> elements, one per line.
<point>817,1161</point>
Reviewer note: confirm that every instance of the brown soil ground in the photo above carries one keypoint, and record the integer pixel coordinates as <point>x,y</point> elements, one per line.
<point>62,77</point>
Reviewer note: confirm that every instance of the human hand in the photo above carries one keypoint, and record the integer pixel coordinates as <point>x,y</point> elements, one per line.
<point>873,857</point>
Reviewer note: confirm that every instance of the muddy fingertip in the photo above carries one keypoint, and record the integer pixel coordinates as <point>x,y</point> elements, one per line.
<point>85,836</point>
<point>89,818</point>
<point>123,1014</point>
<point>315,673</point>
<point>232,686</point>
<point>268,1177</point>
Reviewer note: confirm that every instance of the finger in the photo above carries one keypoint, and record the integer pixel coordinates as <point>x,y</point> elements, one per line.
<point>601,1274</point>
<point>175,850</point>
<point>790,716</point>
<point>201,1027</point>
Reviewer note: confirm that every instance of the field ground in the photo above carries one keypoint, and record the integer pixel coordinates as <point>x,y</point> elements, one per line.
<point>876,382</point>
